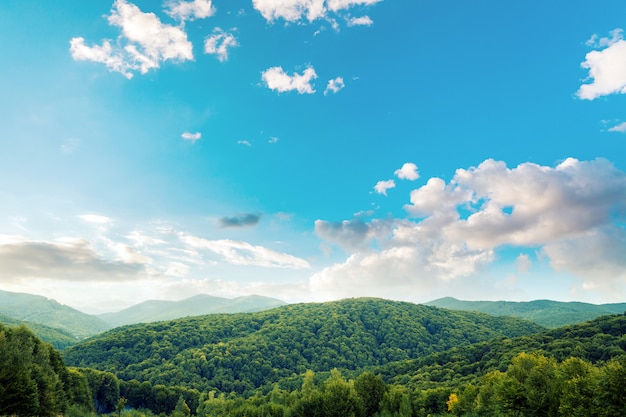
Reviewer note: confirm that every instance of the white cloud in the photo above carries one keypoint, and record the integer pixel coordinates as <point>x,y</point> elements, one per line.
<point>144,44</point>
<point>568,212</point>
<point>65,259</point>
<point>334,85</point>
<point>244,142</point>
<point>408,172</point>
<point>607,67</point>
<point>382,186</point>
<point>189,10</point>
<point>360,21</point>
<point>276,79</point>
<point>191,137</point>
<point>273,139</point>
<point>621,128</point>
<point>218,44</point>
<point>243,253</point>
<point>297,10</point>
<point>95,218</point>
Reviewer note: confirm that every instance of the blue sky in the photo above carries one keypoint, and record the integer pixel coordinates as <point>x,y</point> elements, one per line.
<point>312,150</point>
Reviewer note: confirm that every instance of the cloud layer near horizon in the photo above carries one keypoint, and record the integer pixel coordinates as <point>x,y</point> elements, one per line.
<point>569,214</point>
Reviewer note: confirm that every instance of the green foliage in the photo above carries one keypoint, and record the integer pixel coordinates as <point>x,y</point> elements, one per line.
<point>33,377</point>
<point>594,341</point>
<point>242,352</point>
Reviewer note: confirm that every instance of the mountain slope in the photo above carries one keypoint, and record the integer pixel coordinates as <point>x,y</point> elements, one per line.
<point>547,313</point>
<point>41,310</point>
<point>155,310</point>
<point>596,341</point>
<point>240,352</point>
<point>59,339</point>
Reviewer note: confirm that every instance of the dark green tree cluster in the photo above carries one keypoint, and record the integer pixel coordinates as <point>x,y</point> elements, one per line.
<point>33,378</point>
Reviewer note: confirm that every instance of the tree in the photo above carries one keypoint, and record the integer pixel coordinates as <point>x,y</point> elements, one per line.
<point>371,388</point>
<point>182,409</point>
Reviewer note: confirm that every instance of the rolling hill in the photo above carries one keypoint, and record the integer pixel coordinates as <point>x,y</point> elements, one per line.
<point>156,310</point>
<point>551,314</point>
<point>58,338</point>
<point>41,310</point>
<point>240,352</point>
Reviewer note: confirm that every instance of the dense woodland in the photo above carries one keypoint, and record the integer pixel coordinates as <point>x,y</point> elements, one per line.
<point>356,358</point>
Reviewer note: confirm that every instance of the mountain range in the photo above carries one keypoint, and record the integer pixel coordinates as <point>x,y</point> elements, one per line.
<point>62,325</point>
<point>547,313</point>
<point>159,310</point>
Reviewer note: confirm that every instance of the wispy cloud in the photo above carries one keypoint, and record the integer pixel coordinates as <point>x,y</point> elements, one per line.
<point>360,21</point>
<point>277,79</point>
<point>191,137</point>
<point>244,143</point>
<point>219,43</point>
<point>243,220</point>
<point>621,128</point>
<point>244,253</point>
<point>144,44</point>
<point>334,85</point>
<point>95,218</point>
<point>607,67</point>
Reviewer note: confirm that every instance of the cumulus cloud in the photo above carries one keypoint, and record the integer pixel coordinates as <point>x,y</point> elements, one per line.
<point>244,253</point>
<point>243,220</point>
<point>334,85</point>
<point>67,259</point>
<point>191,137</point>
<point>299,10</point>
<point>621,128</point>
<point>360,21</point>
<point>144,44</point>
<point>569,212</point>
<point>189,10</point>
<point>607,67</point>
<point>219,43</point>
<point>382,186</point>
<point>408,172</point>
<point>277,79</point>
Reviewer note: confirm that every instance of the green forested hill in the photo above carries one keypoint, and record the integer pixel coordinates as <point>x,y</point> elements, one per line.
<point>240,352</point>
<point>41,310</point>
<point>547,313</point>
<point>595,341</point>
<point>59,339</point>
<point>156,310</point>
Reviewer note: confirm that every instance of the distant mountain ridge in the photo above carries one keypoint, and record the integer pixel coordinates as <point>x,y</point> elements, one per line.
<point>41,310</point>
<point>63,326</point>
<point>547,313</point>
<point>159,310</point>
